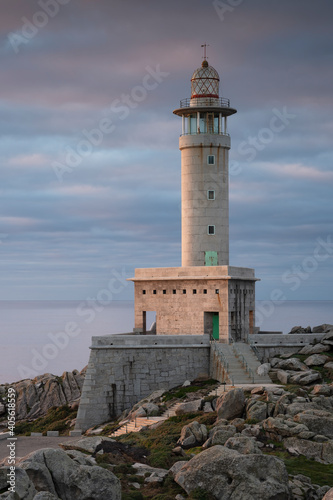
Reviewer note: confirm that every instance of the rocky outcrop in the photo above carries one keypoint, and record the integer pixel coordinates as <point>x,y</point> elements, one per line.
<point>189,407</point>
<point>54,472</point>
<point>35,397</point>
<point>225,474</point>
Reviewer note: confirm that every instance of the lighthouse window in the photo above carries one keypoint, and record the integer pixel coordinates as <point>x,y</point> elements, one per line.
<point>210,195</point>
<point>211,230</point>
<point>211,159</point>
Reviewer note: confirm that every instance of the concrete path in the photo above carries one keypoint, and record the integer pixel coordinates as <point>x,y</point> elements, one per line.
<point>27,444</point>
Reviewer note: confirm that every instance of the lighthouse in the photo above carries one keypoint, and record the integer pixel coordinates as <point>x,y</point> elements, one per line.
<point>205,295</point>
<point>204,144</point>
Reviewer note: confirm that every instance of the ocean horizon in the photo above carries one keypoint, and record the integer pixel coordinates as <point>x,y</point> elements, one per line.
<point>54,336</point>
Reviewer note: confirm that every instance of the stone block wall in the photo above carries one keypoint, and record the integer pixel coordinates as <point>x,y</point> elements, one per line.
<point>124,369</point>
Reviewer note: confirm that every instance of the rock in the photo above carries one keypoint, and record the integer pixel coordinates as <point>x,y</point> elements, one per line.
<point>176,467</point>
<point>52,470</point>
<point>187,383</point>
<point>258,390</point>
<point>322,328</point>
<point>314,349</point>
<point>226,474</point>
<point>328,338</point>
<point>329,495</point>
<point>317,421</point>
<point>151,409</point>
<point>34,397</point>
<point>143,470</point>
<point>291,364</point>
<point>2,409</point>
<point>138,413</point>
<point>90,444</point>
<point>283,376</point>
<point>321,452</point>
<point>256,410</point>
<point>329,367</point>
<point>80,458</point>
<point>244,444</point>
<point>24,488</point>
<point>231,404</point>
<point>263,369</point>
<point>297,329</point>
<point>193,434</point>
<point>316,360</point>
<point>44,495</point>
<point>324,390</point>
<point>277,428</point>
<point>189,407</point>
<point>207,407</point>
<point>305,378</point>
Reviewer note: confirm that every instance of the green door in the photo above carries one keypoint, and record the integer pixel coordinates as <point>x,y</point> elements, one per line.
<point>216,333</point>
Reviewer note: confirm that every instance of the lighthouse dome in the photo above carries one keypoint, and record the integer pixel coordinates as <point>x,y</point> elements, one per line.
<point>205,82</point>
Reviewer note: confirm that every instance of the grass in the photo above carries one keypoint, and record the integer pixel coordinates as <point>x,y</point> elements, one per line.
<point>56,419</point>
<point>162,440</point>
<point>321,474</point>
<point>180,392</point>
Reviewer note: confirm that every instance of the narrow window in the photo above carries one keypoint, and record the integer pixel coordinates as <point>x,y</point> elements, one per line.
<point>144,292</point>
<point>174,292</point>
<point>211,230</point>
<point>194,292</point>
<point>164,292</point>
<point>184,291</point>
<point>154,292</point>
<point>211,159</point>
<point>217,291</point>
<point>205,291</point>
<point>210,195</point>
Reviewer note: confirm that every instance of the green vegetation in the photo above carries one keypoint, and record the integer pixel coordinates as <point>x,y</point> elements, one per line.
<point>180,392</point>
<point>321,474</point>
<point>56,419</point>
<point>160,442</point>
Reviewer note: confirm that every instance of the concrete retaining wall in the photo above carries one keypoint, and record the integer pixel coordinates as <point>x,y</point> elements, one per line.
<point>124,369</point>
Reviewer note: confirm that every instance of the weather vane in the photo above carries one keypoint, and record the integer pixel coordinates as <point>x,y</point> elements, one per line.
<point>205,45</point>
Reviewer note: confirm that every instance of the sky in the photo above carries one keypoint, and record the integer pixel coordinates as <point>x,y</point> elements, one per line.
<point>89,158</point>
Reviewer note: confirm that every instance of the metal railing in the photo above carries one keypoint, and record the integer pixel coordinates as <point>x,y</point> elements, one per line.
<point>205,101</point>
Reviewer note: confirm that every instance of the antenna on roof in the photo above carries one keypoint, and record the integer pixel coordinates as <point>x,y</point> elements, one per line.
<point>205,45</point>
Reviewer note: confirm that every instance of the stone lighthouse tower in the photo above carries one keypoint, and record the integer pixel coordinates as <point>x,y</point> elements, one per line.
<point>205,295</point>
<point>204,146</point>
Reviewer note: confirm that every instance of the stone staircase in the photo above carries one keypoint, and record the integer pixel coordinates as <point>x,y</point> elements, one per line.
<point>137,424</point>
<point>240,364</point>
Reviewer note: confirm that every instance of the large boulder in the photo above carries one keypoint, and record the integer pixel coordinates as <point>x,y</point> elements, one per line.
<point>231,405</point>
<point>316,360</point>
<point>291,364</point>
<point>193,434</point>
<point>54,471</point>
<point>326,327</point>
<point>256,410</point>
<point>314,349</point>
<point>305,378</point>
<point>24,487</point>
<point>220,435</point>
<point>320,452</point>
<point>226,474</point>
<point>317,421</point>
<point>90,444</point>
<point>277,428</point>
<point>189,407</point>
<point>263,369</point>
<point>328,338</point>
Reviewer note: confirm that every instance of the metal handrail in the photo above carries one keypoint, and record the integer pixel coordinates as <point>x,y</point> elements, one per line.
<point>210,101</point>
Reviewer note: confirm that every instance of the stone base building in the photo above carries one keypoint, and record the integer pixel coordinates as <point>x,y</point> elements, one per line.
<point>214,300</point>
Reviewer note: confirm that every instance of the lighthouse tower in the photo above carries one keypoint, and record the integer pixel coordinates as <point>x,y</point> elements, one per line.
<point>205,295</point>
<point>204,145</point>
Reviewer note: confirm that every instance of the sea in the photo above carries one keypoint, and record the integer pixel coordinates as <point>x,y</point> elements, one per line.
<point>39,337</point>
